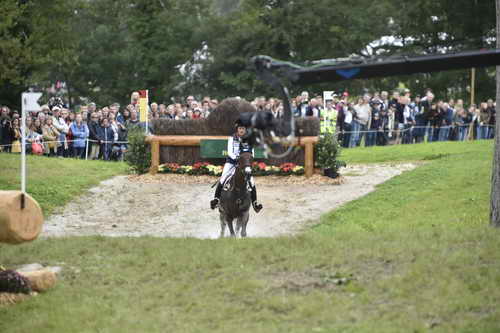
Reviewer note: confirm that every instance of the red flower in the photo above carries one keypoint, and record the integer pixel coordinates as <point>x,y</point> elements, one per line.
<point>173,166</point>
<point>262,166</point>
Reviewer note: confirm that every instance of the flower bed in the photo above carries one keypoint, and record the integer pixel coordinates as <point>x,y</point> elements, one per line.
<point>258,169</point>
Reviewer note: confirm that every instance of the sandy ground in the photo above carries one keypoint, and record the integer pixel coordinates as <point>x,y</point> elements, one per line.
<point>178,205</point>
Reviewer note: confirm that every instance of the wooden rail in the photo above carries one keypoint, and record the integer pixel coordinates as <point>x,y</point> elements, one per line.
<point>194,140</point>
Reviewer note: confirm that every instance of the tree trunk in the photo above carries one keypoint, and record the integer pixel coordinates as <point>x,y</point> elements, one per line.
<point>495,177</point>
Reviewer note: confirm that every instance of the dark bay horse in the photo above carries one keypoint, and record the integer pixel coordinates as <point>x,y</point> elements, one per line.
<point>235,200</point>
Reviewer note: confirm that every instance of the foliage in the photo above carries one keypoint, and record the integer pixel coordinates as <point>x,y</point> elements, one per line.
<point>138,156</point>
<point>103,50</point>
<point>258,169</point>
<point>53,182</point>
<point>327,153</point>
<point>420,241</point>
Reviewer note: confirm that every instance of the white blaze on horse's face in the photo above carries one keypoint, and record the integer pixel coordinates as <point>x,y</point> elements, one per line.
<point>248,170</point>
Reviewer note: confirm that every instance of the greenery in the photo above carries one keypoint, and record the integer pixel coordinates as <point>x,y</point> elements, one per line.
<point>103,49</point>
<point>138,156</point>
<point>414,255</point>
<point>53,182</point>
<point>327,153</point>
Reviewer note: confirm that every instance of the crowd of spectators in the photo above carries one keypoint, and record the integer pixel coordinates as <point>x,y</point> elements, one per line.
<point>398,119</point>
<point>379,119</point>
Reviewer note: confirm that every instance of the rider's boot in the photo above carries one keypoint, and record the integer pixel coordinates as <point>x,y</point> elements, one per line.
<point>256,205</point>
<point>215,202</point>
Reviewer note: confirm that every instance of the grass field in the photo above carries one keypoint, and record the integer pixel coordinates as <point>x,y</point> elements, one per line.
<point>55,181</point>
<point>417,254</point>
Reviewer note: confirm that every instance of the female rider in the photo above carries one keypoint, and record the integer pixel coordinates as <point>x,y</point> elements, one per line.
<point>235,146</point>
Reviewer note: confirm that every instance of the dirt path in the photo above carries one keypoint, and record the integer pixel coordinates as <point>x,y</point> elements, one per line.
<point>177,206</point>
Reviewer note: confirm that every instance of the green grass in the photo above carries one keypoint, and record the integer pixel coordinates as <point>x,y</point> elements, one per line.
<point>417,254</point>
<point>55,181</point>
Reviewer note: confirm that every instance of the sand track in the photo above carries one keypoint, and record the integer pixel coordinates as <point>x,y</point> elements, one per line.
<point>177,206</point>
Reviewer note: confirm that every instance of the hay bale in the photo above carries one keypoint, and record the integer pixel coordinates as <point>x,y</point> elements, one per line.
<point>9,298</point>
<point>41,280</point>
<point>307,126</point>
<point>19,225</point>
<point>180,127</point>
<point>221,120</point>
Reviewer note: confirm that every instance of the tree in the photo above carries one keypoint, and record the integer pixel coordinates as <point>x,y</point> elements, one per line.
<point>495,177</point>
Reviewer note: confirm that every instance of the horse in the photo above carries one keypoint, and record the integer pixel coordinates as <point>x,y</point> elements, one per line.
<point>235,200</point>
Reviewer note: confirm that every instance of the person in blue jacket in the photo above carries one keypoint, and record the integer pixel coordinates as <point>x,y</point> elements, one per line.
<point>80,133</point>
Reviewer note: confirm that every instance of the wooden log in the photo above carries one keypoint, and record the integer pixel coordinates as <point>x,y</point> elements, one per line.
<point>19,225</point>
<point>194,140</point>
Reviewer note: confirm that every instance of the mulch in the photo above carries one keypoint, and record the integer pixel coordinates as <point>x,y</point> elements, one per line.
<point>316,179</point>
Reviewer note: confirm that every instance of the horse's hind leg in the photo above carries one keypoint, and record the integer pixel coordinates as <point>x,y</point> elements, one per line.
<point>238,226</point>
<point>242,221</point>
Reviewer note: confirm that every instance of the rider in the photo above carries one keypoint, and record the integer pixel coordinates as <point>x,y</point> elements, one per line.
<point>235,145</point>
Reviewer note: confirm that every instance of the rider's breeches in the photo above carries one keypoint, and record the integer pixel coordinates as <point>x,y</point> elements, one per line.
<point>228,171</point>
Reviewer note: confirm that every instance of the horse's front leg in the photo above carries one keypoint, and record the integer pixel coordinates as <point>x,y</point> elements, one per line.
<point>222,224</point>
<point>229,222</point>
<point>242,221</point>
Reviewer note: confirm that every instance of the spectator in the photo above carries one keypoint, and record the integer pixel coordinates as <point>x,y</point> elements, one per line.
<point>107,139</point>
<point>59,121</point>
<point>16,144</point>
<point>348,120</point>
<point>120,146</point>
<point>94,137</point>
<point>133,121</point>
<point>50,137</point>
<point>361,121</point>
<point>6,131</point>
<point>302,103</point>
<point>484,121</point>
<point>80,132</point>
<point>491,124</point>
<point>313,109</point>
<point>134,100</point>
<point>446,122</point>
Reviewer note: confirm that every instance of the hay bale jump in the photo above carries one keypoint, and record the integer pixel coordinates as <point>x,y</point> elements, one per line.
<point>19,225</point>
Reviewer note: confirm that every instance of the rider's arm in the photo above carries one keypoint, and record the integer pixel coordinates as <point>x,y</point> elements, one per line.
<point>230,152</point>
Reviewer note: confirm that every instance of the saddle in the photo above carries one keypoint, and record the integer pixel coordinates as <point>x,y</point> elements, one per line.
<point>228,184</point>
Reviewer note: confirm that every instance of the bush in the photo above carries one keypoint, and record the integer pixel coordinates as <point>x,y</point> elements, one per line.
<point>327,154</point>
<point>138,155</point>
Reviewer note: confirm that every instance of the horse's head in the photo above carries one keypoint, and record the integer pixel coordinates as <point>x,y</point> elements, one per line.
<point>245,164</point>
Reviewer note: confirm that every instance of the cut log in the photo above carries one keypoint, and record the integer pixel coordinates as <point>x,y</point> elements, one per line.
<point>40,280</point>
<point>19,225</point>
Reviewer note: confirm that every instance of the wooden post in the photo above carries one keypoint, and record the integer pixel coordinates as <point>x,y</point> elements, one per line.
<point>309,159</point>
<point>472,86</point>
<point>155,156</point>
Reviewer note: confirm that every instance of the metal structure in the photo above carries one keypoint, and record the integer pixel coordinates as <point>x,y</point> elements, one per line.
<point>269,133</point>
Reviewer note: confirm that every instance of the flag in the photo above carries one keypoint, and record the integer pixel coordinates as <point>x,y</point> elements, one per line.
<point>143,105</point>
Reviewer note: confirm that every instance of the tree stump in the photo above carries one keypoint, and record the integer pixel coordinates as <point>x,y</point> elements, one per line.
<point>19,225</point>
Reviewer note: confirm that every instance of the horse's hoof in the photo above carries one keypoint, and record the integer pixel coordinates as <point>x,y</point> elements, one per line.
<point>257,207</point>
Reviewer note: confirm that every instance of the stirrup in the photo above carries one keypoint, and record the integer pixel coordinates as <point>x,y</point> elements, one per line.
<point>257,206</point>
<point>214,203</point>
